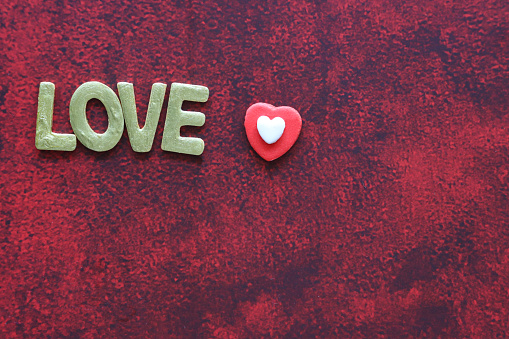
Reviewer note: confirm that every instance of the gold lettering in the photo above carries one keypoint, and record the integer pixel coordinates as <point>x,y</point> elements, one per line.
<point>141,138</point>
<point>176,118</point>
<point>45,139</point>
<point>78,115</point>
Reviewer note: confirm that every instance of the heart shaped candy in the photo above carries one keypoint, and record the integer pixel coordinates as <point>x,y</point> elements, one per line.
<point>272,131</point>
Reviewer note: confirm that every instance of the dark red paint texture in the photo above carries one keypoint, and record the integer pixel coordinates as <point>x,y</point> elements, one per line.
<point>388,218</point>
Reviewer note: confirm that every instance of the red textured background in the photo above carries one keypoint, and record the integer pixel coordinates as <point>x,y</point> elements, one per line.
<point>389,217</point>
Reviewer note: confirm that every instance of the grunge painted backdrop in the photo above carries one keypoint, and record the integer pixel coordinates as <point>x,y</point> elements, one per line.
<point>388,218</point>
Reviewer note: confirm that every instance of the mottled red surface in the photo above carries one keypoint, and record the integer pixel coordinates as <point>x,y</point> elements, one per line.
<point>389,217</point>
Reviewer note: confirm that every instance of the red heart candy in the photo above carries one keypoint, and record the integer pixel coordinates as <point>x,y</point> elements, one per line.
<point>293,125</point>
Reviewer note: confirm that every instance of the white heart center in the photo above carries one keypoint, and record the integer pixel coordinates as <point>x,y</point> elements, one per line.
<point>270,130</point>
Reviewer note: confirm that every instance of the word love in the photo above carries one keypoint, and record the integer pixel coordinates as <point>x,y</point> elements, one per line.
<point>120,109</point>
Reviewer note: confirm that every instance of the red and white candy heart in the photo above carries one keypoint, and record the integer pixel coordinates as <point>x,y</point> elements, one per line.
<point>272,131</point>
